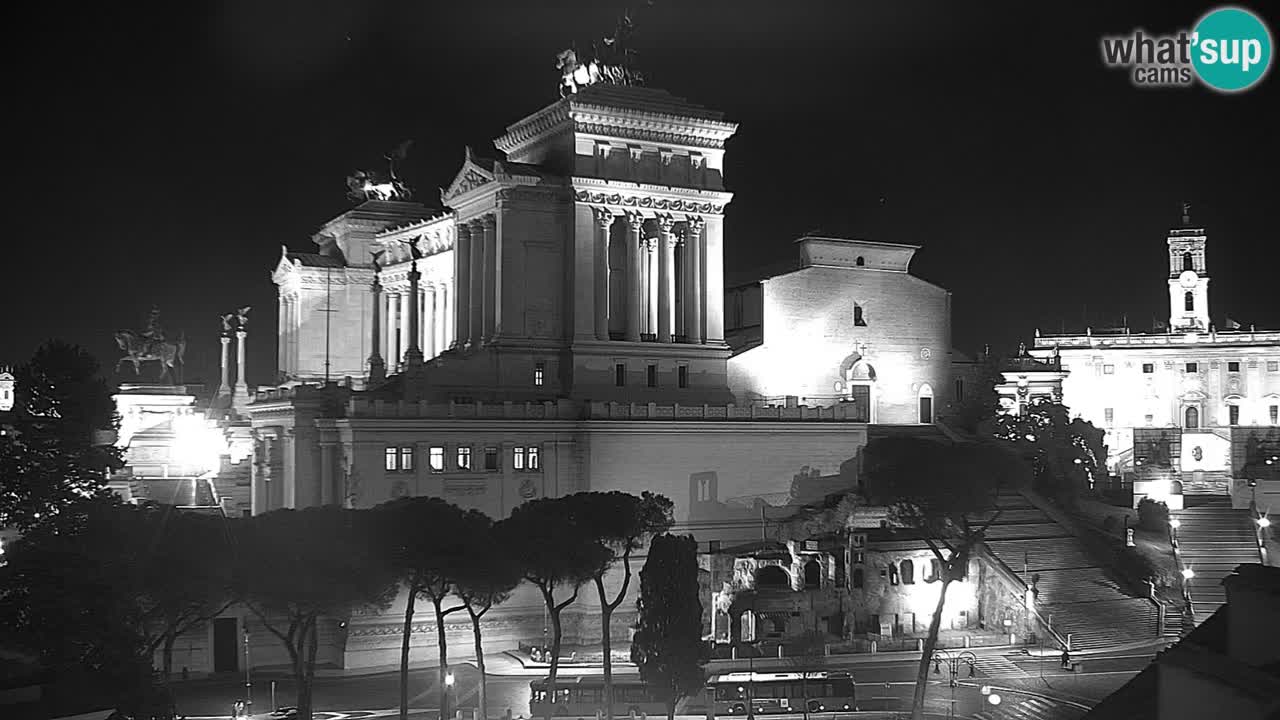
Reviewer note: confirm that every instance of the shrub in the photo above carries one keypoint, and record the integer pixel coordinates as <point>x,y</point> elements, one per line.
<point>1153,515</point>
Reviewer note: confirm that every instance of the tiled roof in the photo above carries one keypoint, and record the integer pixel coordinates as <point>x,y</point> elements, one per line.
<point>314,260</point>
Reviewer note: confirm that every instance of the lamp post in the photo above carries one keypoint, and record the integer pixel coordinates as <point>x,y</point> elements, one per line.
<point>448,686</point>
<point>954,662</point>
<point>248,685</point>
<point>1174,524</point>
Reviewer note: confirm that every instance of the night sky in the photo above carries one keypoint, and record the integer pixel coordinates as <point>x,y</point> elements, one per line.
<point>163,153</point>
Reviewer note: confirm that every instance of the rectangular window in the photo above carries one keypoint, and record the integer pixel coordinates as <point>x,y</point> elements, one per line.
<point>620,374</point>
<point>538,370</point>
<point>1233,366</point>
<point>1192,367</point>
<point>517,458</point>
<point>1108,369</point>
<point>1273,366</point>
<point>406,459</point>
<point>491,458</point>
<point>682,376</point>
<point>651,376</point>
<point>1148,368</point>
<point>1149,419</point>
<point>533,461</point>
<point>464,458</point>
<point>959,389</point>
<point>1275,414</point>
<point>436,458</point>
<point>1110,415</point>
<point>1233,414</point>
<point>392,459</point>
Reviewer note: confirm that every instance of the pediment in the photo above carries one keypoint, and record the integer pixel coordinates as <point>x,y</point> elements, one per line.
<point>284,267</point>
<point>472,175</point>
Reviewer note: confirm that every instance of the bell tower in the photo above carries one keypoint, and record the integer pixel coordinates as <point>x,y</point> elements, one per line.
<point>1188,277</point>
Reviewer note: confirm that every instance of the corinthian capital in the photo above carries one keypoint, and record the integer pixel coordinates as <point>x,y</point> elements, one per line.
<point>666,224</point>
<point>636,221</point>
<point>695,224</point>
<point>604,217</point>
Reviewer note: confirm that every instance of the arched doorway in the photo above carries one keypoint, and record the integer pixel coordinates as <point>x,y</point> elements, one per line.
<point>858,383</point>
<point>1192,417</point>
<point>812,575</point>
<point>925,401</point>
<point>772,577</point>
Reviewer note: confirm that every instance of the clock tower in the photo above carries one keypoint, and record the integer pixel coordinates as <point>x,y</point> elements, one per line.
<point>1188,277</point>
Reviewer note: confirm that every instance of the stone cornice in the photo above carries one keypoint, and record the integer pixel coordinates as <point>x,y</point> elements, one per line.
<point>658,198</point>
<point>532,129</point>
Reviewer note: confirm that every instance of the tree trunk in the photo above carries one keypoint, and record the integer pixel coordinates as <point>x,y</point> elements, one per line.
<point>300,675</point>
<point>443,647</point>
<point>606,644</point>
<point>312,643</point>
<point>930,642</point>
<point>167,653</point>
<point>671,709</point>
<point>555,658</point>
<point>404,651</point>
<point>483,699</point>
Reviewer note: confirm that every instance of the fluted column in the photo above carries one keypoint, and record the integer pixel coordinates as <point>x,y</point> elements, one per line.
<point>693,304</point>
<point>377,366</point>
<point>242,387</point>
<point>429,321</point>
<point>462,282</point>
<point>492,292</point>
<point>224,388</point>
<point>282,336</point>
<point>604,221</point>
<point>651,286</point>
<point>475,304</point>
<point>666,278</point>
<point>413,355</point>
<point>444,308</point>
<point>635,225</point>
<point>402,325</point>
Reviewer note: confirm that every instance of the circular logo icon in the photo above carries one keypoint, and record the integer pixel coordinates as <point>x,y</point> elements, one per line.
<point>1231,49</point>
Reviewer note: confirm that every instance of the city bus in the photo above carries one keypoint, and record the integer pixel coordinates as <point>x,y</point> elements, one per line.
<point>759,693</point>
<point>580,698</point>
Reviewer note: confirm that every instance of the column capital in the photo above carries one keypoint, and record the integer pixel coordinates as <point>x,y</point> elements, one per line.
<point>488,221</point>
<point>635,220</point>
<point>695,222</point>
<point>463,230</point>
<point>604,217</point>
<point>242,334</point>
<point>666,224</point>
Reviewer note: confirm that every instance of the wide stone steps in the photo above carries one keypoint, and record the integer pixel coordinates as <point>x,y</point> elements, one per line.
<point>1042,554</point>
<point>1024,707</point>
<point>1214,539</point>
<point>1096,625</point>
<point>1077,585</point>
<point>1018,532</point>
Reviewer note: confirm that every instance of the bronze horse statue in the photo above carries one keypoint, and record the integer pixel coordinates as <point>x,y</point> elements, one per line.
<point>139,349</point>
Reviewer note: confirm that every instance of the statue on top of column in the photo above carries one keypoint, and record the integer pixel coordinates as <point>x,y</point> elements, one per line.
<point>613,63</point>
<point>365,185</point>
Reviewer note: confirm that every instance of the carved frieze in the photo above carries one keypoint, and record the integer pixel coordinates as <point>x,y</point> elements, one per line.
<point>649,202</point>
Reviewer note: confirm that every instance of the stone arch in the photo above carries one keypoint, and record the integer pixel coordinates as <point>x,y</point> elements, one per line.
<point>1192,417</point>
<point>812,574</point>
<point>924,402</point>
<point>1188,301</point>
<point>772,577</point>
<point>908,572</point>
<point>1188,262</point>
<point>861,261</point>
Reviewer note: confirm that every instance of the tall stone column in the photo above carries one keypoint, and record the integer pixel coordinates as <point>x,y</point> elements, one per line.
<point>242,387</point>
<point>393,307</point>
<point>713,276</point>
<point>377,366</point>
<point>693,304</point>
<point>666,278</point>
<point>429,321</point>
<point>651,286</point>
<point>604,221</point>
<point>224,388</point>
<point>462,282</point>
<point>492,292</point>
<point>282,337</point>
<point>402,324</point>
<point>635,226</point>
<point>328,477</point>
<point>413,355</point>
<point>444,308</point>
<point>476,303</point>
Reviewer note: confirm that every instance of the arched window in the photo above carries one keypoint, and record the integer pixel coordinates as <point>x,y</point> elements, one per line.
<point>1189,301</point>
<point>812,574</point>
<point>1193,417</point>
<point>859,579</point>
<point>772,576</point>
<point>1188,263</point>
<point>858,319</point>
<point>893,574</point>
<point>908,572</point>
<point>935,573</point>
<point>860,262</point>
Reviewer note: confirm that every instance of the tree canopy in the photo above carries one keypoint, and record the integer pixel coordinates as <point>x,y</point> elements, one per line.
<point>1067,455</point>
<point>668,647</point>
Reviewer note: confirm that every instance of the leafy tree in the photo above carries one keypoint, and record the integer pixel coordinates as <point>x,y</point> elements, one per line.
<point>1066,455</point>
<point>294,567</point>
<point>428,543</point>
<point>555,549</point>
<point>976,412</point>
<point>947,493</point>
<point>621,522</point>
<point>486,579</point>
<point>668,645</point>
<point>55,450</point>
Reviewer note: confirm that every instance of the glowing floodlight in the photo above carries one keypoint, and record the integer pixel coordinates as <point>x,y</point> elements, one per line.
<point>993,698</point>
<point>1188,573</point>
<point>1264,522</point>
<point>1175,523</point>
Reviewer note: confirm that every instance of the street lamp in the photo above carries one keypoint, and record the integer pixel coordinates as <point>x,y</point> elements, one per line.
<point>448,686</point>
<point>248,685</point>
<point>953,670</point>
<point>1174,524</point>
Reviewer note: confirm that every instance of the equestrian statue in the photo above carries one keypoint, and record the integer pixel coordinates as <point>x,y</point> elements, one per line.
<point>151,345</point>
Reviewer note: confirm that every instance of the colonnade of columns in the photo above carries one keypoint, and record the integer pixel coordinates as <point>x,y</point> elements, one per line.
<point>393,321</point>
<point>654,285</point>
<point>475,269</point>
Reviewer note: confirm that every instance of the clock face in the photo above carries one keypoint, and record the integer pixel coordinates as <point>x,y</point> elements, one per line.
<point>1188,278</point>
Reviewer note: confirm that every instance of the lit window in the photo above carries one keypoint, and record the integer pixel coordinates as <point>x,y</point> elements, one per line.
<point>406,459</point>
<point>651,376</point>
<point>1275,414</point>
<point>858,558</point>
<point>538,371</point>
<point>858,319</point>
<point>1233,366</point>
<point>1233,414</point>
<point>1193,367</point>
<point>893,574</point>
<point>682,376</point>
<point>533,461</point>
<point>1148,368</point>
<point>392,459</point>
<point>620,374</point>
<point>1108,369</point>
<point>517,459</point>
<point>1110,415</point>
<point>436,458</point>
<point>704,489</point>
<point>491,458</point>
<point>464,458</point>
<point>1149,419</point>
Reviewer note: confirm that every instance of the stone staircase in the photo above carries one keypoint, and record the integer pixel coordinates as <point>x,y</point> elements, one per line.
<point>1076,594</point>
<point>1212,541</point>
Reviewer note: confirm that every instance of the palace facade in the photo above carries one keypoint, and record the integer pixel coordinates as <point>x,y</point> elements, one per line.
<point>1192,409</point>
